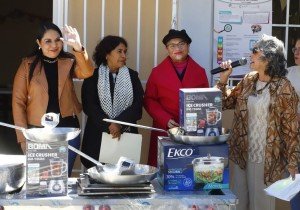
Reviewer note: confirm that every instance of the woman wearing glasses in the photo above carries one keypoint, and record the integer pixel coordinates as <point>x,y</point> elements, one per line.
<point>263,144</point>
<point>294,76</point>
<point>176,71</point>
<point>43,82</point>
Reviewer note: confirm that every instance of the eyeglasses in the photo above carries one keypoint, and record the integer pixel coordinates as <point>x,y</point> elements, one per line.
<point>255,50</point>
<point>296,50</point>
<point>180,45</point>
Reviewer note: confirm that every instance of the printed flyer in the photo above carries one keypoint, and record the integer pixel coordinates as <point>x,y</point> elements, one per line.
<point>238,24</point>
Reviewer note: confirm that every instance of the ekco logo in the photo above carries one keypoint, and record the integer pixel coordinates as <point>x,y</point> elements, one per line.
<point>173,152</point>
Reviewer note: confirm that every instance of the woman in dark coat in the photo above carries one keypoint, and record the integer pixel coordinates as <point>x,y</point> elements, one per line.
<point>114,92</point>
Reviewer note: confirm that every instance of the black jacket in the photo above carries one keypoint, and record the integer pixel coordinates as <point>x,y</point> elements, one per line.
<point>95,125</point>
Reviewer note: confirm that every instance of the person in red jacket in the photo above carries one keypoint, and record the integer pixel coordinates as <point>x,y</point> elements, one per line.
<point>176,71</point>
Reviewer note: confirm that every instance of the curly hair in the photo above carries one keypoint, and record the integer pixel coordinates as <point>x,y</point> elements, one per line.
<point>105,46</point>
<point>274,53</point>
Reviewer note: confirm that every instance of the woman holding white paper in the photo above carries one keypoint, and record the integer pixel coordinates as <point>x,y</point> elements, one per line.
<point>113,92</point>
<point>264,142</point>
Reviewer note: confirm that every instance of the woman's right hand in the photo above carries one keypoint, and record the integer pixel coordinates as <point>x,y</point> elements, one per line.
<point>172,124</point>
<point>225,74</point>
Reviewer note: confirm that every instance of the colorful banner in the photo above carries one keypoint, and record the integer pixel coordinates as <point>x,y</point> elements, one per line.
<point>238,24</point>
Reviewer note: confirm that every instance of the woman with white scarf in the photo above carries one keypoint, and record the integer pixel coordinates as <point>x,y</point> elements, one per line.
<point>114,91</point>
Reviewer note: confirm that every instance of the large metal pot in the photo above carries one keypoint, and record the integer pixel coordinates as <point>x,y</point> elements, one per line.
<point>12,173</point>
<point>46,135</point>
<point>142,174</point>
<point>102,173</point>
<point>177,134</point>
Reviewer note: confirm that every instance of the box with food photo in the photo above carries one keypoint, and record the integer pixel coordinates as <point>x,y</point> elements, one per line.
<point>200,111</point>
<point>192,167</point>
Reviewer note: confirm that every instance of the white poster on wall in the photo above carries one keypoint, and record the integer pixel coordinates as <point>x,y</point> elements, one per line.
<point>238,24</point>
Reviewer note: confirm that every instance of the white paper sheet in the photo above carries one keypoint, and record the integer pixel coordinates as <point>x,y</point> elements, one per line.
<point>284,189</point>
<point>128,146</point>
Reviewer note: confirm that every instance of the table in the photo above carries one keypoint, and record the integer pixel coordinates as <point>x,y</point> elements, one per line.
<point>159,200</point>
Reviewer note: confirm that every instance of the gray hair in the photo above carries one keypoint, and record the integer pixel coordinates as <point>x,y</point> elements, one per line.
<point>274,53</point>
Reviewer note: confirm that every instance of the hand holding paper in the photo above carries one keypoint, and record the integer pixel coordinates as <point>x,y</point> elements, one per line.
<point>284,189</point>
<point>129,146</point>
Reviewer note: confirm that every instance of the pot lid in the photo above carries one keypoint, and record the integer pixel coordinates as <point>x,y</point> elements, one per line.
<point>209,159</point>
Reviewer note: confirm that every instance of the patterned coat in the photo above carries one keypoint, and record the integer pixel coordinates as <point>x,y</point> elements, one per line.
<point>282,143</point>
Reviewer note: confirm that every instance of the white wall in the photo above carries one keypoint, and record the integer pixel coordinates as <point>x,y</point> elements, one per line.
<point>196,17</point>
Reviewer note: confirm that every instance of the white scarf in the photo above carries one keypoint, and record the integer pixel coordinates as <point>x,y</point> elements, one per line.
<point>123,92</point>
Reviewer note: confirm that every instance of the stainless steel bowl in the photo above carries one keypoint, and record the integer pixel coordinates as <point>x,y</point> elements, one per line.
<point>200,140</point>
<point>45,135</point>
<point>12,177</point>
<point>142,174</point>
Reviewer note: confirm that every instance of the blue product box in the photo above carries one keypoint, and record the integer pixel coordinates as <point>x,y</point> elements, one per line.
<point>200,111</point>
<point>185,167</point>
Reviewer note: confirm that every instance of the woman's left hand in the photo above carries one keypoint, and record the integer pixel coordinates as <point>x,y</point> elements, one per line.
<point>293,173</point>
<point>72,38</point>
<point>224,75</point>
<point>115,130</point>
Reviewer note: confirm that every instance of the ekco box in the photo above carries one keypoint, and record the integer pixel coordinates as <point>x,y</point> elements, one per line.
<point>47,169</point>
<point>183,167</point>
<point>200,111</point>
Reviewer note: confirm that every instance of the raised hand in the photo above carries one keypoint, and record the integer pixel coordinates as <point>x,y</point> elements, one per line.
<point>71,38</point>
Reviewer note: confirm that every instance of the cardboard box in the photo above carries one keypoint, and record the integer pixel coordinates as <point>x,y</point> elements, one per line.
<point>179,167</point>
<point>47,169</point>
<point>200,111</point>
